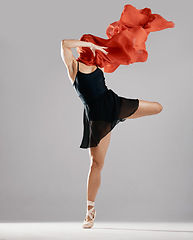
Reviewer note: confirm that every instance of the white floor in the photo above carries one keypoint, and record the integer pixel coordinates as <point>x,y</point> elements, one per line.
<point>100,230</point>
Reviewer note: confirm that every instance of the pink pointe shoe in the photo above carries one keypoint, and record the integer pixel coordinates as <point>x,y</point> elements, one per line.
<point>91,213</point>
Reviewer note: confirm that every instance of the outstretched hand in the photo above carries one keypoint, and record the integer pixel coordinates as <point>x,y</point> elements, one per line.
<point>96,47</point>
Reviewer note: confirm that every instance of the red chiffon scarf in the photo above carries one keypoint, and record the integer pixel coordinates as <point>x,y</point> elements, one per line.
<point>126,39</point>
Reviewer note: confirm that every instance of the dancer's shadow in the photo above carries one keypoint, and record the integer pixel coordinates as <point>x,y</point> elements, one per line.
<point>137,229</point>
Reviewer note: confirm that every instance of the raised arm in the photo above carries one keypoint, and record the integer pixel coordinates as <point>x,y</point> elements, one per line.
<point>69,59</point>
<point>66,52</point>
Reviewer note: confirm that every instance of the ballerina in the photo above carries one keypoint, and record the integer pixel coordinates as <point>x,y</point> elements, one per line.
<point>103,108</point>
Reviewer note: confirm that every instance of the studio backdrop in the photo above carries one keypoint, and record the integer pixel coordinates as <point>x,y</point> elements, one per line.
<point>147,175</point>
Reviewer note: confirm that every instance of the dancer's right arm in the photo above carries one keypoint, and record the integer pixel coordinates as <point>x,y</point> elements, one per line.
<point>66,52</point>
<point>67,55</point>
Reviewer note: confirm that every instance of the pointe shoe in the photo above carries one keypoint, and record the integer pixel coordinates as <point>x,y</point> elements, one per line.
<point>91,213</point>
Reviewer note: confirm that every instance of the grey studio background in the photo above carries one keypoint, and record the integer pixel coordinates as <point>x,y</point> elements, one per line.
<point>147,174</point>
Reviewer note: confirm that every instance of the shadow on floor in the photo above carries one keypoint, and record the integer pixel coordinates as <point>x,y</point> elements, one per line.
<point>152,230</point>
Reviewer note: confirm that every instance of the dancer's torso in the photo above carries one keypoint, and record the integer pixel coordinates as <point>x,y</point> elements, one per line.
<point>90,86</point>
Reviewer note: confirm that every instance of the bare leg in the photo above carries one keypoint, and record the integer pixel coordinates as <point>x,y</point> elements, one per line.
<point>146,108</point>
<point>97,154</point>
<point>97,157</point>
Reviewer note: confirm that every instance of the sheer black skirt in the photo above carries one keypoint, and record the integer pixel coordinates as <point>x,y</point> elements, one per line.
<point>103,114</point>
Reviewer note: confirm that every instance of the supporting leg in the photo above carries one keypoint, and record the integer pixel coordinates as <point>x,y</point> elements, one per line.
<point>97,157</point>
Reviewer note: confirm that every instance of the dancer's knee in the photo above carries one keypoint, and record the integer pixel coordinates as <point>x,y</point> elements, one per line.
<point>96,164</point>
<point>159,107</point>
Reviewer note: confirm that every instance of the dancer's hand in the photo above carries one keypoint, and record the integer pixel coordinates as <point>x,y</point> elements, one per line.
<point>96,47</point>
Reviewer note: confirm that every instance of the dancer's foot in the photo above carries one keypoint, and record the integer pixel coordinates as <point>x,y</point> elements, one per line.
<point>90,216</point>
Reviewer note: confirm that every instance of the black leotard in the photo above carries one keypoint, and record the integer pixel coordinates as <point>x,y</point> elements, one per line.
<point>90,86</point>
<point>103,108</point>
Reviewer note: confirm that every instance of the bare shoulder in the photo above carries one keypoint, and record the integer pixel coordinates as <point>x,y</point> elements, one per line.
<point>72,70</point>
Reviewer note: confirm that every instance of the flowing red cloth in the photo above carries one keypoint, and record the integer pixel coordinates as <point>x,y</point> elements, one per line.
<point>126,39</point>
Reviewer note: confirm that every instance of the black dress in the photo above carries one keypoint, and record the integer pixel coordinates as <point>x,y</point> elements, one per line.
<point>103,108</point>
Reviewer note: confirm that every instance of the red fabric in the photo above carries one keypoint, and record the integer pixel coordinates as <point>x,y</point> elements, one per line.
<point>126,39</point>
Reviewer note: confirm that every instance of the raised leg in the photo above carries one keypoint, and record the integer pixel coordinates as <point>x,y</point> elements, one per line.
<point>146,108</point>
